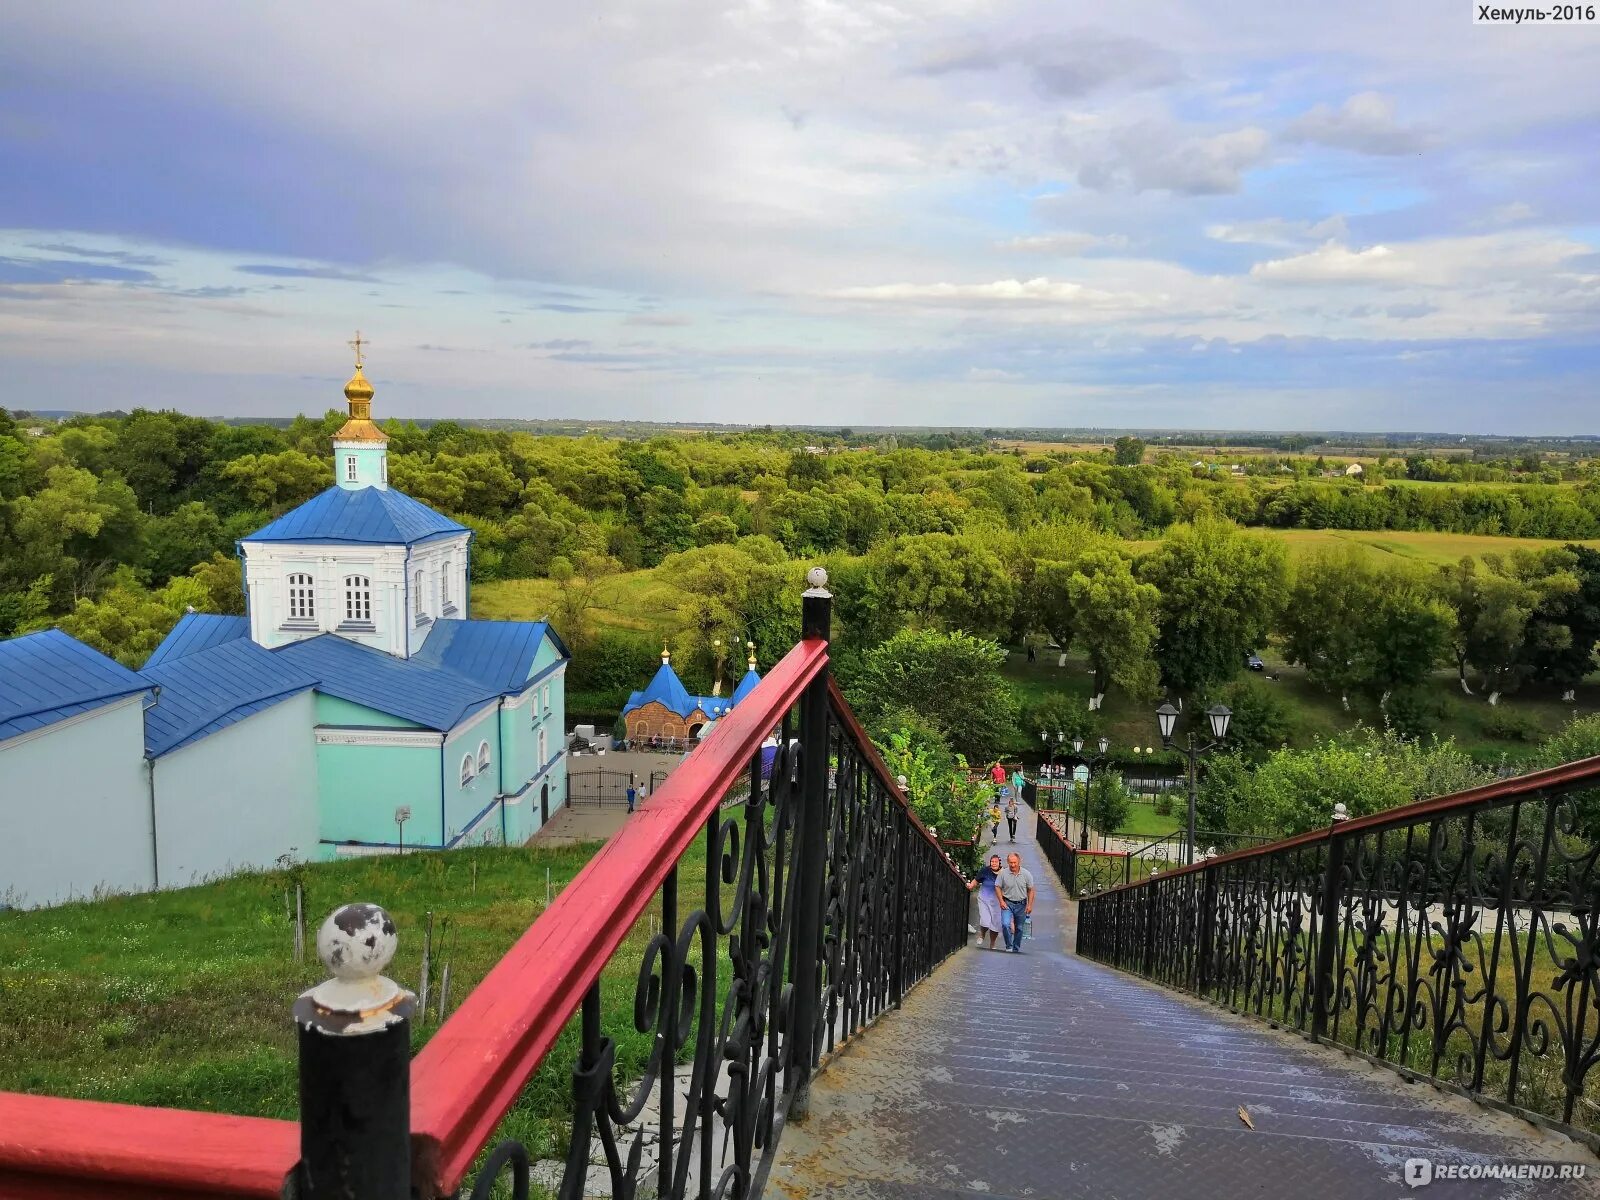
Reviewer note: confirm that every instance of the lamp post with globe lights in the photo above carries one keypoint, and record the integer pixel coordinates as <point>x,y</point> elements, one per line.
<point>1218,715</point>
<point>1092,763</point>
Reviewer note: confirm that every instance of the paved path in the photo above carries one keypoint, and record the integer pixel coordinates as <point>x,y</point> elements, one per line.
<point>1044,1075</point>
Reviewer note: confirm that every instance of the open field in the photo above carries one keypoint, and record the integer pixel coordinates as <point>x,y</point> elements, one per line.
<point>1431,548</point>
<point>181,998</point>
<point>630,600</point>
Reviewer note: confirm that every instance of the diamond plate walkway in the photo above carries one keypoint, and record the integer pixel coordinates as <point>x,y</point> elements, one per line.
<point>1045,1075</point>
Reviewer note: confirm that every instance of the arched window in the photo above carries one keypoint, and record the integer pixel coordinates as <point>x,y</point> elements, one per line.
<point>544,746</point>
<point>483,757</point>
<point>416,595</point>
<point>467,771</point>
<point>357,598</point>
<point>302,598</point>
<point>350,468</point>
<point>444,585</point>
<point>383,468</point>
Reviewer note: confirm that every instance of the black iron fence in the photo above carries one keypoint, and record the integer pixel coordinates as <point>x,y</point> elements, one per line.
<point>1456,940</point>
<point>596,788</point>
<point>1081,871</point>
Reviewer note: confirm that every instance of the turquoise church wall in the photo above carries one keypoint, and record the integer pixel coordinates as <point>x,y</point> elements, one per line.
<point>75,809</point>
<point>464,804</point>
<point>331,710</point>
<point>361,786</point>
<point>239,798</point>
<point>370,465</point>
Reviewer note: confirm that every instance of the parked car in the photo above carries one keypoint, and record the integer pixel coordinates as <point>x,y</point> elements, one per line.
<point>1253,661</point>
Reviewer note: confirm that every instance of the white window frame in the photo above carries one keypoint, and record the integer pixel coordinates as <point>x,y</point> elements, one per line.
<point>302,596</point>
<point>351,474</point>
<point>444,584</point>
<point>383,468</point>
<point>544,747</point>
<point>416,598</point>
<point>544,699</point>
<point>468,770</point>
<point>484,758</point>
<point>358,599</point>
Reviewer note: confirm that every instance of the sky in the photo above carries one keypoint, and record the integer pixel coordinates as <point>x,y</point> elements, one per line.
<point>1356,216</point>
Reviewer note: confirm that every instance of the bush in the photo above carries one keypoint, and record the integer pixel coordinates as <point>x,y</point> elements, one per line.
<point>1062,714</point>
<point>1506,725</point>
<point>1414,713</point>
<point>1262,719</point>
<point>1163,804</point>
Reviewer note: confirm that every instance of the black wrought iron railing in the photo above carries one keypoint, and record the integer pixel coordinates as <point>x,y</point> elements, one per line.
<point>822,900</point>
<point>1456,939</point>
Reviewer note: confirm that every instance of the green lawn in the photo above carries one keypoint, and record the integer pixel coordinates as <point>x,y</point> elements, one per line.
<point>1144,822</point>
<point>181,998</point>
<point>630,600</point>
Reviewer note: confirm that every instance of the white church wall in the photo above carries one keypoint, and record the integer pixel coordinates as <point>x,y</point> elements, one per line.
<point>239,798</point>
<point>75,808</point>
<point>268,567</point>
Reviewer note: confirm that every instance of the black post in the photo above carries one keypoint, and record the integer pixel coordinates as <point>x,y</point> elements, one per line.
<point>1194,791</point>
<point>816,619</point>
<point>355,1065</point>
<point>1325,985</point>
<point>1208,928</point>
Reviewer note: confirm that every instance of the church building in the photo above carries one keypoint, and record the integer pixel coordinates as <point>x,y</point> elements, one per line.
<point>665,711</point>
<point>355,709</point>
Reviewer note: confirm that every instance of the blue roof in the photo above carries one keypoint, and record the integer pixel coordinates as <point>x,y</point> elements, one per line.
<point>380,516</point>
<point>212,688</point>
<point>195,632</point>
<point>433,696</point>
<point>667,690</point>
<point>47,677</point>
<point>746,685</point>
<point>499,654</point>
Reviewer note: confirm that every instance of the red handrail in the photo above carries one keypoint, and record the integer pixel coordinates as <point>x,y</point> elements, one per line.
<point>469,1073</point>
<point>53,1149</point>
<point>1581,770</point>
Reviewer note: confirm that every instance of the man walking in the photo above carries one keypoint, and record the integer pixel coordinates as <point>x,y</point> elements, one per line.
<point>1016,891</point>
<point>633,795</point>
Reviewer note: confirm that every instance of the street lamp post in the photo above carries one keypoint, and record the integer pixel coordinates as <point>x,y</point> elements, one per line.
<point>1091,764</point>
<point>1166,720</point>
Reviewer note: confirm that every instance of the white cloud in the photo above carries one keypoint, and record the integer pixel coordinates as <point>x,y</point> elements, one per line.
<point>1277,231</point>
<point>1065,244</point>
<point>1365,124</point>
<point>1333,263</point>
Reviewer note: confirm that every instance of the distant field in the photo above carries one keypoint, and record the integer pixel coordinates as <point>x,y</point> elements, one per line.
<point>1420,547</point>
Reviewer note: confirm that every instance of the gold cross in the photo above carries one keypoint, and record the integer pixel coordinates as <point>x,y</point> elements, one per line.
<point>356,346</point>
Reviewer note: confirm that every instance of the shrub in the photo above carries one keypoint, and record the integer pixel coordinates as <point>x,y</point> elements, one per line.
<point>1505,725</point>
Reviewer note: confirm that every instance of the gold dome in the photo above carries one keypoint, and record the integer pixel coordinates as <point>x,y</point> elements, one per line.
<point>359,428</point>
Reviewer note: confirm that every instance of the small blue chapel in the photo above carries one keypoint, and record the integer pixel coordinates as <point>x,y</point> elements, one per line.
<point>356,708</point>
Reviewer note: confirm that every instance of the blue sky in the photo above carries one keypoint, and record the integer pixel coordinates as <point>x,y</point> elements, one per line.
<point>1375,216</point>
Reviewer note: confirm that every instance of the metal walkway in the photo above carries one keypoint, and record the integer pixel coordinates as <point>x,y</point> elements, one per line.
<point>1044,1075</point>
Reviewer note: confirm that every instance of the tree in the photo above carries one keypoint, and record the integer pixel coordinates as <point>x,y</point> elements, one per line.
<point>942,581</point>
<point>1493,601</point>
<point>1220,592</point>
<point>950,680</point>
<point>1355,624</point>
<point>1104,803</point>
<point>1127,451</point>
<point>578,581</point>
<point>191,533</point>
<point>938,786</point>
<point>128,621</point>
<point>1566,624</point>
<point>1095,602</point>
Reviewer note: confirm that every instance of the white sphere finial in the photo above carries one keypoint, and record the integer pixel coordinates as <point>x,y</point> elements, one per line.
<point>355,944</point>
<point>817,577</point>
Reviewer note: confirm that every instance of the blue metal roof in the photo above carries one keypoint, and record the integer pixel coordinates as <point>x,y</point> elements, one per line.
<point>380,516</point>
<point>499,654</point>
<point>212,688</point>
<point>433,696</point>
<point>746,685</point>
<point>195,632</point>
<point>667,690</point>
<point>47,677</point>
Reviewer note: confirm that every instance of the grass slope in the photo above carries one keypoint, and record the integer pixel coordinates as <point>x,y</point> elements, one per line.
<point>182,998</point>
